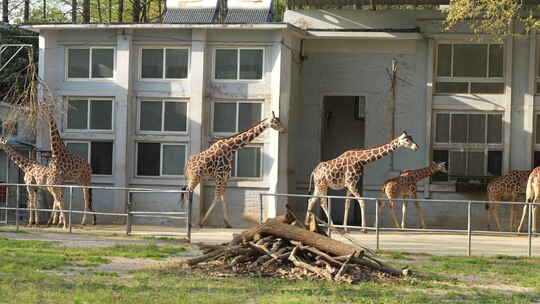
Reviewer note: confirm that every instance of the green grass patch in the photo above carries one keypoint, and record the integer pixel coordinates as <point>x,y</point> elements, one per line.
<point>14,231</point>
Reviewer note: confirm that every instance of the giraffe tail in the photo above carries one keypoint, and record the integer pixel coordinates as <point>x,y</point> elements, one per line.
<point>310,181</point>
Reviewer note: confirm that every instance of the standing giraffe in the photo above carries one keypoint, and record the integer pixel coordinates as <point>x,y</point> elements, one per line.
<point>504,187</point>
<point>66,166</point>
<point>532,195</point>
<point>345,170</point>
<point>216,163</point>
<point>404,186</point>
<point>34,173</point>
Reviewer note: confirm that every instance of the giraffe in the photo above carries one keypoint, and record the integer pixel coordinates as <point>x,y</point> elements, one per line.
<point>66,166</point>
<point>506,186</point>
<point>404,186</point>
<point>532,195</point>
<point>216,163</point>
<point>345,170</point>
<point>34,173</point>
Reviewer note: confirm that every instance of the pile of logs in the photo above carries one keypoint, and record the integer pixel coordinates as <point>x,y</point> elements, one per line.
<point>278,249</point>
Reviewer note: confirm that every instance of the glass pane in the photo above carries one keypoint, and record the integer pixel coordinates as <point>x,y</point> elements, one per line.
<point>78,63</point>
<point>476,164</point>
<point>152,63</point>
<point>444,60</point>
<point>226,64</point>
<point>102,63</point>
<point>440,156</point>
<point>251,64</point>
<point>249,115</point>
<point>249,162</point>
<point>80,149</point>
<point>496,59</point>
<point>477,128</point>
<point>487,88</point>
<point>536,158</point>
<point>174,158</point>
<point>175,116</point>
<point>494,128</point>
<point>443,128</point>
<point>176,63</point>
<point>470,60</point>
<point>148,157</point>
<point>102,157</point>
<point>101,114</point>
<point>459,128</point>
<point>150,115</point>
<point>77,114</point>
<point>457,163</point>
<point>452,87</point>
<point>494,163</point>
<point>225,117</point>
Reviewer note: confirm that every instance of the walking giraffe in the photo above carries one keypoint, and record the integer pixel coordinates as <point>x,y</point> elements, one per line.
<point>34,173</point>
<point>216,163</point>
<point>345,170</point>
<point>505,187</point>
<point>532,195</point>
<point>66,166</point>
<point>404,186</point>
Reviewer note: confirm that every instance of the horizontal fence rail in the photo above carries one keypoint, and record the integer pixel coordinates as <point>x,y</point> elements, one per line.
<point>129,214</point>
<point>376,227</point>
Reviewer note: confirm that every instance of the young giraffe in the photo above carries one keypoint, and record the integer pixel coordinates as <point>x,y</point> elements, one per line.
<point>216,163</point>
<point>506,186</point>
<point>532,195</point>
<point>66,166</point>
<point>34,173</point>
<point>404,186</point>
<point>345,170</point>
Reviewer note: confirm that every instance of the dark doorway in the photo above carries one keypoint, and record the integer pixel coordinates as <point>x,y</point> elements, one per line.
<point>343,129</point>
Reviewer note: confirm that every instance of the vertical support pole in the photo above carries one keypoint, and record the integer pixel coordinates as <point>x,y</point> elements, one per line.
<point>261,207</point>
<point>70,208</point>
<point>128,213</point>
<point>17,224</point>
<point>329,220</point>
<point>377,224</point>
<point>190,204</point>
<point>529,230</point>
<point>469,235</point>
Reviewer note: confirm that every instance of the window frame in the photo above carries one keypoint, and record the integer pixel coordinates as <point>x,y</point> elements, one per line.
<point>164,72</point>
<point>162,131</point>
<point>161,175</point>
<point>234,171</point>
<point>238,49</point>
<point>467,147</point>
<point>468,80</point>
<point>90,78</point>
<point>89,150</point>
<point>89,100</point>
<point>237,102</point>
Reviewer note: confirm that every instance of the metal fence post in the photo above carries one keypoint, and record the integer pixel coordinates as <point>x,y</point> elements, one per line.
<point>329,220</point>
<point>128,213</point>
<point>377,224</point>
<point>469,235</point>
<point>70,207</point>
<point>530,229</point>
<point>261,207</point>
<point>17,224</point>
<point>189,207</point>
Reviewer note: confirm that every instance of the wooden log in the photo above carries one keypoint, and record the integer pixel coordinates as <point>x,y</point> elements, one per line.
<point>299,263</point>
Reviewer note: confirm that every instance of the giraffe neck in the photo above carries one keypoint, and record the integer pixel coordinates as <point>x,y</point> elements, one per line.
<point>419,174</point>
<point>376,153</point>
<point>57,144</point>
<point>239,140</point>
<point>22,162</point>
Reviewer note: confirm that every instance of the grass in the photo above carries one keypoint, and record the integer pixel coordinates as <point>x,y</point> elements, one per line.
<point>33,272</point>
<point>14,231</point>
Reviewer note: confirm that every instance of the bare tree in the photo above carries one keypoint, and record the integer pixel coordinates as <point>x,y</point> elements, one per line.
<point>86,11</point>
<point>136,11</point>
<point>5,11</point>
<point>121,11</point>
<point>74,11</point>
<point>110,11</point>
<point>100,19</point>
<point>26,11</point>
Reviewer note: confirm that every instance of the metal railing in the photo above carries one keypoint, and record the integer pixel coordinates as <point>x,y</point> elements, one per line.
<point>370,200</point>
<point>129,214</point>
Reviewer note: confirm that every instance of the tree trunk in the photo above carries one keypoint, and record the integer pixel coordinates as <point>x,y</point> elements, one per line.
<point>44,10</point>
<point>74,11</point>
<point>121,11</point>
<point>26,12</point>
<point>110,11</point>
<point>136,11</point>
<point>86,11</point>
<point>5,11</point>
<point>100,15</point>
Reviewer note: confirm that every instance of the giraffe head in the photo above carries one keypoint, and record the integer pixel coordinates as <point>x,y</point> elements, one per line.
<point>439,167</point>
<point>275,123</point>
<point>404,140</point>
<point>3,141</point>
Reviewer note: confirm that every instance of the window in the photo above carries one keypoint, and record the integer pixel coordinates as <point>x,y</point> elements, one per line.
<point>238,64</point>
<point>89,114</point>
<point>159,159</point>
<point>234,117</point>
<point>471,144</point>
<point>100,154</point>
<point>470,68</point>
<point>163,116</point>
<point>248,163</point>
<point>90,63</point>
<point>164,63</point>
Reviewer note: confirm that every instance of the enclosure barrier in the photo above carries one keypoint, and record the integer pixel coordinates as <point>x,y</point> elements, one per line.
<point>370,200</point>
<point>128,214</point>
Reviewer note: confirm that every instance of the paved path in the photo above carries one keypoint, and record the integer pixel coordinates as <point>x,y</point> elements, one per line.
<point>432,243</point>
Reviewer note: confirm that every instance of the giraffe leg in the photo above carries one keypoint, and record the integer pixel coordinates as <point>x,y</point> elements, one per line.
<point>403,213</point>
<point>346,215</point>
<point>393,211</point>
<point>220,193</point>
<point>88,205</point>
<point>352,189</point>
<point>419,212</point>
<point>380,207</point>
<point>522,218</point>
<point>512,217</point>
<point>311,203</point>
<point>533,217</point>
<point>58,194</point>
